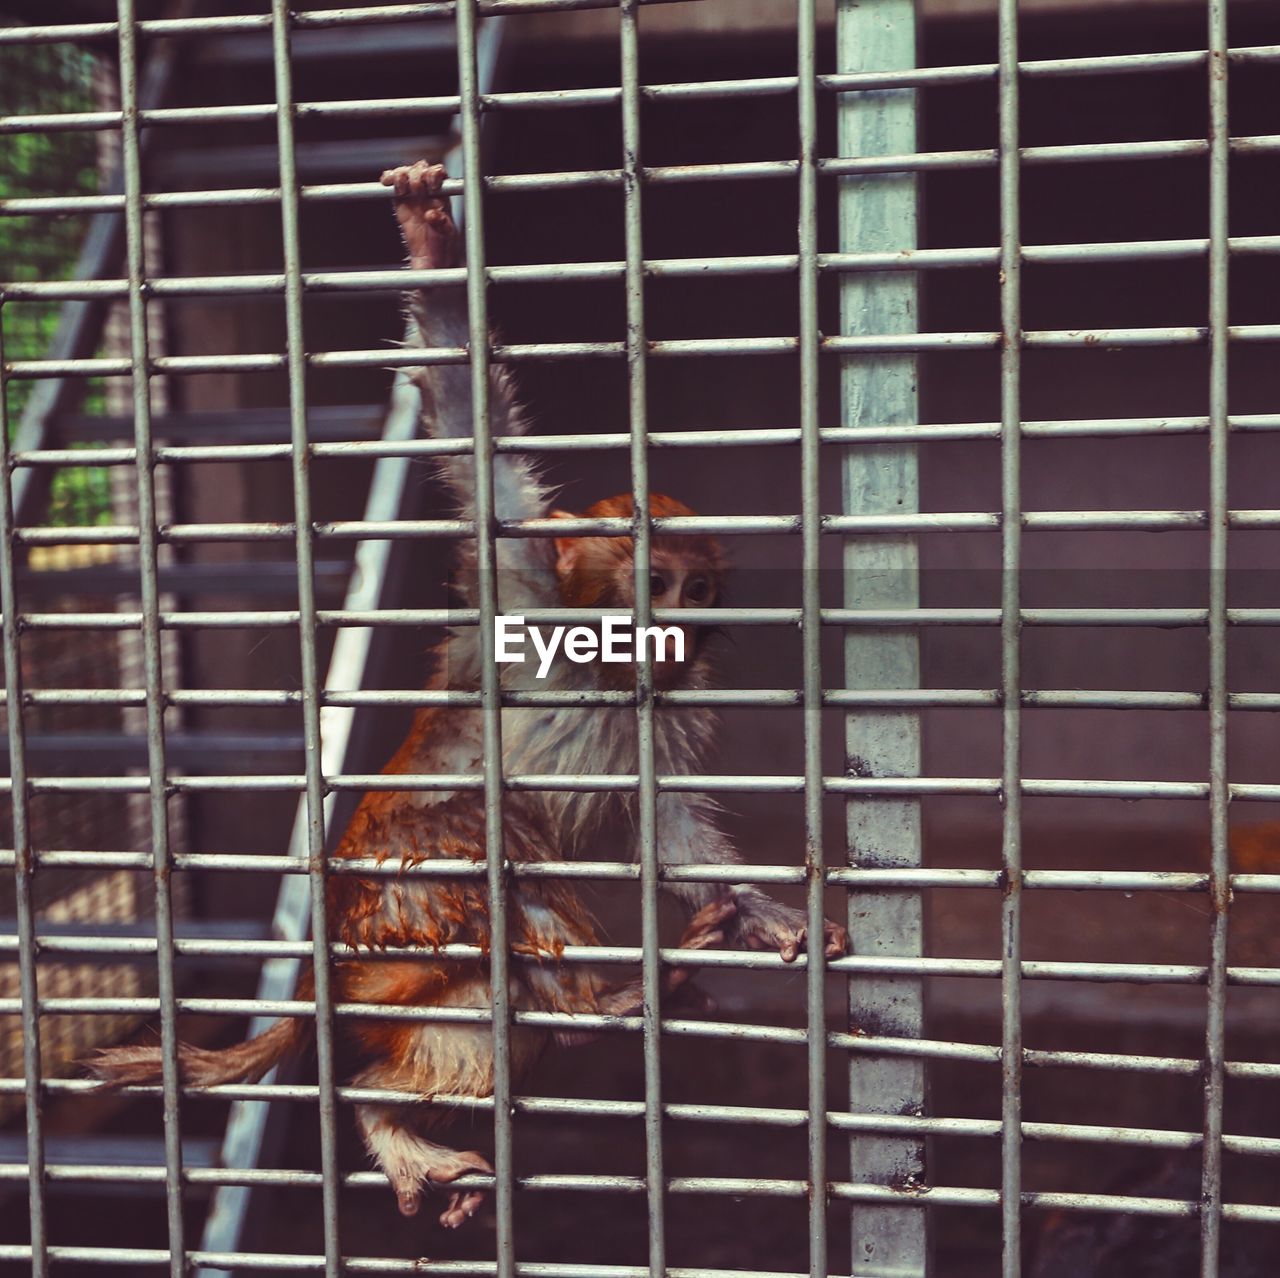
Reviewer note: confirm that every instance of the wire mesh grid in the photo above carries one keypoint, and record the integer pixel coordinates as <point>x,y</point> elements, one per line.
<point>873,179</point>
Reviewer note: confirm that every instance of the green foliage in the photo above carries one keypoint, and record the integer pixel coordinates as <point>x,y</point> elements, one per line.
<point>39,80</point>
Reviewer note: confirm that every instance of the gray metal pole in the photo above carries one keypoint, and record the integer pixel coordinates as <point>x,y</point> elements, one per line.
<point>877,213</point>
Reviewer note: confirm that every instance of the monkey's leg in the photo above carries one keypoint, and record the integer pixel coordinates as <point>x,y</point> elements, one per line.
<point>705,929</point>
<point>410,1161</point>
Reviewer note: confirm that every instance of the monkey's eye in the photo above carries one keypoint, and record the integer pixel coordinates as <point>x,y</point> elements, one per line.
<point>657,585</point>
<point>697,590</point>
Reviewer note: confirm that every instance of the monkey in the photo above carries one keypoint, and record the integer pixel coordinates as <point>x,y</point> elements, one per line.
<point>405,827</point>
<point>585,572</point>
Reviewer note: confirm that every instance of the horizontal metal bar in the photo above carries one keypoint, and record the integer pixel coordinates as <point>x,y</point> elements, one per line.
<point>603,783</point>
<point>909,879</point>
<point>948,522</point>
<point>764,437</point>
<point>1160,618</point>
<point>860,1043</point>
<point>300,20</point>
<point>318,282</point>
<point>754,87</point>
<point>987,969</point>
<point>756,698</point>
<point>533,352</point>
<point>910,1125</point>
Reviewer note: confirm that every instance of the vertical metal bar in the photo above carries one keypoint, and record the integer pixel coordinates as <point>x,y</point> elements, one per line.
<point>1220,863</point>
<point>877,213</point>
<point>487,590</point>
<point>304,552</point>
<point>646,816</point>
<point>152,656</point>
<point>811,606</point>
<point>1010,647</point>
<point>23,860</point>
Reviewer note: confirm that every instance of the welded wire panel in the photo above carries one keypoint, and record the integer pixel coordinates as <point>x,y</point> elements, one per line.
<point>936,351</point>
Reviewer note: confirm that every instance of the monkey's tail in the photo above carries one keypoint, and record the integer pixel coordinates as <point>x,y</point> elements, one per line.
<point>244,1062</point>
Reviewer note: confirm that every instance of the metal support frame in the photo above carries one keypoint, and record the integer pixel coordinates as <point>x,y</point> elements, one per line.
<point>872,182</point>
<point>877,214</point>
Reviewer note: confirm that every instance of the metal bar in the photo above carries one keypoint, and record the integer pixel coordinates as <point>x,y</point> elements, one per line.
<point>383,281</point>
<point>1162,618</point>
<point>695,90</point>
<point>811,631</point>
<point>864,525</point>
<point>322,19</point>
<point>973,1053</point>
<point>646,805</point>
<point>1219,794</point>
<point>877,220</point>
<point>24,864</point>
<point>680,783</point>
<point>757,698</point>
<point>152,654</point>
<point>467,18</point>
<point>1174,974</point>
<point>281,22</point>
<point>85,1167</point>
<point>751,437</point>
<point>304,19</point>
<point>535,352</point>
<point>907,879</point>
<point>1011,787</point>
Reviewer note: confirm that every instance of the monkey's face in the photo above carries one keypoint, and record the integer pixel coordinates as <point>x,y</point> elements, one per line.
<point>680,580</point>
<point>685,571</point>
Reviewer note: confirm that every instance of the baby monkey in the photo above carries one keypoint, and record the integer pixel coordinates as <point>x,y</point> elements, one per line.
<point>407,827</point>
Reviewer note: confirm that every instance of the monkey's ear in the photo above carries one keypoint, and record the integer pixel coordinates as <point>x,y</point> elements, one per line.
<point>568,549</point>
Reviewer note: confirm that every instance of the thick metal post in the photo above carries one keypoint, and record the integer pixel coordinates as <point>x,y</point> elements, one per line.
<point>877,214</point>
<point>1219,518</point>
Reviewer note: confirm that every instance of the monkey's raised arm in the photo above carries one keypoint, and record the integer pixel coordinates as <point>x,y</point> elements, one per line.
<point>438,320</point>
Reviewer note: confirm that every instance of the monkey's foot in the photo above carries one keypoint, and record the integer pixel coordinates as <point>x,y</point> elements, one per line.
<point>766,924</point>
<point>430,234</point>
<point>412,1162</point>
<point>466,1202</point>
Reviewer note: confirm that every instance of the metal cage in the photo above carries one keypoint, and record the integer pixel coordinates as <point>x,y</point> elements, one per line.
<point>854,273</point>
